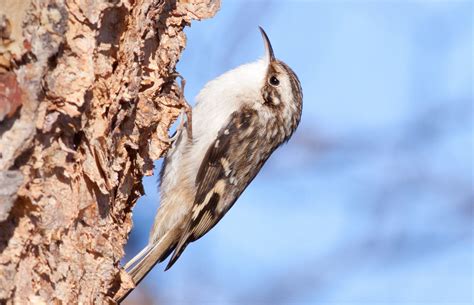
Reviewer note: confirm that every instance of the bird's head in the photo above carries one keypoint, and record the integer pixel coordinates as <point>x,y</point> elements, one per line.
<point>281,89</point>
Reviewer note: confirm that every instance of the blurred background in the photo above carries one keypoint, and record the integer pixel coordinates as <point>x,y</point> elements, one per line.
<point>372,200</point>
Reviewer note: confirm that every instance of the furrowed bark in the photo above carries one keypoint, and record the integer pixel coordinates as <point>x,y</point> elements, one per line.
<point>87,93</point>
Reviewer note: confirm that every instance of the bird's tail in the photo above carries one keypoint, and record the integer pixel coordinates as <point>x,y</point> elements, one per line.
<point>153,254</point>
<point>139,266</point>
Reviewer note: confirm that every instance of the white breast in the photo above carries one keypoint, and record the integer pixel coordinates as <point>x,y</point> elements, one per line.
<point>218,100</point>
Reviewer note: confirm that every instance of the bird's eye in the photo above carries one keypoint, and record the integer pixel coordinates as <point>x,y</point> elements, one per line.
<point>274,81</point>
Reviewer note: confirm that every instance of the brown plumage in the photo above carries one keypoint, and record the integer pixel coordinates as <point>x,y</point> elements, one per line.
<point>239,120</point>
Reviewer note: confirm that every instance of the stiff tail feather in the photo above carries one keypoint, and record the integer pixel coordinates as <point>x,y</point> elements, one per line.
<point>150,256</point>
<point>139,266</point>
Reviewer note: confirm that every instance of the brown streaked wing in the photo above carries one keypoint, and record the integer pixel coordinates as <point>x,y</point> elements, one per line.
<point>212,181</point>
<point>211,177</point>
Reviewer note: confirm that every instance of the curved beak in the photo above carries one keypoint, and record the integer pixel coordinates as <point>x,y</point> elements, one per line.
<point>268,47</point>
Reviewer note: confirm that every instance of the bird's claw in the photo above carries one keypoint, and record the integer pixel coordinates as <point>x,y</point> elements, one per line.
<point>186,109</point>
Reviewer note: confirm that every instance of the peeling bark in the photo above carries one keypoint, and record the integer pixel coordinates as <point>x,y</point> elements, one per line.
<point>87,91</point>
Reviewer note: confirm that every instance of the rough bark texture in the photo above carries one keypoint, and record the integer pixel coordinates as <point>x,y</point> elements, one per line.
<point>86,94</point>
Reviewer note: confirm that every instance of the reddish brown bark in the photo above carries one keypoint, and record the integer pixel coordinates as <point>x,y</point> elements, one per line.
<point>86,94</point>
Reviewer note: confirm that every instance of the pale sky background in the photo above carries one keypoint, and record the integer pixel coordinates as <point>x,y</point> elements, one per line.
<point>372,201</point>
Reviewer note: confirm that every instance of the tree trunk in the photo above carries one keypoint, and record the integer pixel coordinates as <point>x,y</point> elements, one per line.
<point>87,93</point>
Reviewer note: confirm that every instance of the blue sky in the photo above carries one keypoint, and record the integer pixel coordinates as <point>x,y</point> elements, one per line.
<point>372,200</point>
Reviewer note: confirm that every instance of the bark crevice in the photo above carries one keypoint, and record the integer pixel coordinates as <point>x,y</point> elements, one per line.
<point>86,93</point>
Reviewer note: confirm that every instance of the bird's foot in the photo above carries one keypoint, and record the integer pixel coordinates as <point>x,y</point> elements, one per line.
<point>186,109</point>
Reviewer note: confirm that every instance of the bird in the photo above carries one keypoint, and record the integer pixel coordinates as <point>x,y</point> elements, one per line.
<point>239,119</point>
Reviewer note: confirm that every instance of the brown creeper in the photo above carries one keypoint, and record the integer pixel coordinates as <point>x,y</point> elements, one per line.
<point>240,118</point>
